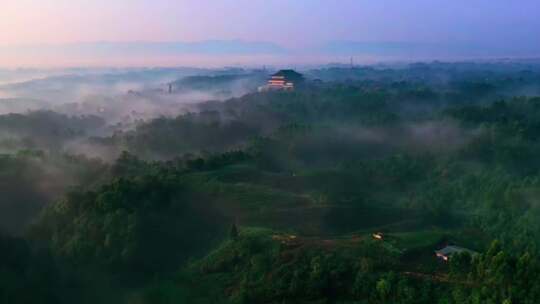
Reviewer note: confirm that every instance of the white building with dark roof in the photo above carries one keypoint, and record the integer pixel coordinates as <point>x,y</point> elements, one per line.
<point>446,252</point>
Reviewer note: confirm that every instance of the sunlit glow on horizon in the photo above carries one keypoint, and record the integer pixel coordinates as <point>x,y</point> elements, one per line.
<point>299,26</point>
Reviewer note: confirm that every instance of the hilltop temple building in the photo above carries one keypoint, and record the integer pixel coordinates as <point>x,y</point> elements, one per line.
<point>285,80</point>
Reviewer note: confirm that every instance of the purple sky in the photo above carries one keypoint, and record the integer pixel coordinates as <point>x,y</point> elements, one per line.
<point>292,24</point>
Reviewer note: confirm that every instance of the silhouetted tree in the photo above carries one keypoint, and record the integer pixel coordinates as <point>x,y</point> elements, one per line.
<point>233,233</point>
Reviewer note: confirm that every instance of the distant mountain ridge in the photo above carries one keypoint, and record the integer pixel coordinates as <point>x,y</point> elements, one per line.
<point>207,47</point>
<point>433,49</point>
<point>234,52</point>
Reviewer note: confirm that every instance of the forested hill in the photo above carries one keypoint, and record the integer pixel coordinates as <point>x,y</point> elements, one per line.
<point>275,198</point>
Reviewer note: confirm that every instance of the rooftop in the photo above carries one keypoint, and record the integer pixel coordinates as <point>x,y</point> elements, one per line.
<point>290,74</point>
<point>449,250</point>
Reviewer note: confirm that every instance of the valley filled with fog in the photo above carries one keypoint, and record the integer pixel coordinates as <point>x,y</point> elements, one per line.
<point>195,185</point>
<point>269,152</point>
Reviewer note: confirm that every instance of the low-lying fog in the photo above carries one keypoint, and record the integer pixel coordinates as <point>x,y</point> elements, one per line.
<point>119,96</point>
<point>58,127</point>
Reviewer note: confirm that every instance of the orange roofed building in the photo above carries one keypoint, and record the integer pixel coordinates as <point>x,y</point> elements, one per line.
<point>285,80</point>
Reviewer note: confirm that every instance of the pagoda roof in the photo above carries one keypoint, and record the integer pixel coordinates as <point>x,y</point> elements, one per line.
<point>288,74</point>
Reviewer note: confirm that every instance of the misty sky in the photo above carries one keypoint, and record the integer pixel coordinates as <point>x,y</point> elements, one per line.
<point>33,31</point>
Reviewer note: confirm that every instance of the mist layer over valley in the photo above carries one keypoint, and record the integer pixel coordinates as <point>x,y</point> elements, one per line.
<point>186,185</point>
<point>342,114</point>
<point>121,95</point>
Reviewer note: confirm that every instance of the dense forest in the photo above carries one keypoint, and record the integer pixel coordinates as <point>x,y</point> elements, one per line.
<point>276,197</point>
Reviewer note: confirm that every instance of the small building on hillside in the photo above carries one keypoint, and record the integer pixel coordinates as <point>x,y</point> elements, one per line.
<point>378,236</point>
<point>447,252</point>
<point>286,80</point>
